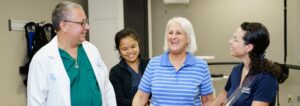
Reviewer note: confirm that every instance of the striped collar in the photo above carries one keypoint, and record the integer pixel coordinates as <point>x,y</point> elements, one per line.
<point>165,61</point>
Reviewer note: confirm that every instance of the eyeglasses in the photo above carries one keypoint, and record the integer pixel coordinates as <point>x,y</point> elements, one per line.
<point>235,39</point>
<point>83,23</point>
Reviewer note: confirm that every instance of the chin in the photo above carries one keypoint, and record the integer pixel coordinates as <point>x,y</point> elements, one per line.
<point>82,40</point>
<point>132,60</point>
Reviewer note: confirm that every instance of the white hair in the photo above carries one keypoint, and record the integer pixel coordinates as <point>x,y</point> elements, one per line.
<point>187,28</point>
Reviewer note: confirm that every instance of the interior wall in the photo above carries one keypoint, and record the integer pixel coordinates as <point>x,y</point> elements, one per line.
<point>293,37</point>
<point>104,25</point>
<point>13,45</point>
<point>215,21</point>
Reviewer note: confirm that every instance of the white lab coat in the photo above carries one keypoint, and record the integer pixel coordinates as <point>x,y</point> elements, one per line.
<point>49,84</point>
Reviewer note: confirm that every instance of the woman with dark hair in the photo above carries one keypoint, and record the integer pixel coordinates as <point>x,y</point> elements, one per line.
<point>126,75</point>
<point>253,82</point>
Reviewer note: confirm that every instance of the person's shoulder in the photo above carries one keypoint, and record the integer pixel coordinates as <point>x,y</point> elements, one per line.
<point>198,59</point>
<point>44,51</point>
<point>156,59</point>
<point>238,66</point>
<point>236,70</point>
<point>116,67</point>
<point>91,47</point>
<point>88,44</point>
<point>266,76</point>
<point>159,56</point>
<point>267,80</point>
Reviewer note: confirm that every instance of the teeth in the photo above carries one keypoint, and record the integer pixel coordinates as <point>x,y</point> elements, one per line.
<point>131,56</point>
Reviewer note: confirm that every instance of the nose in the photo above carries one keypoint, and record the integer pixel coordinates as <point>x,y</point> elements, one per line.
<point>230,41</point>
<point>87,26</point>
<point>173,35</point>
<point>130,50</point>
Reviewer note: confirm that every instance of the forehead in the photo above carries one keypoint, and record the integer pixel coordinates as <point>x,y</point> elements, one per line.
<point>174,25</point>
<point>78,13</point>
<point>128,39</point>
<point>239,33</point>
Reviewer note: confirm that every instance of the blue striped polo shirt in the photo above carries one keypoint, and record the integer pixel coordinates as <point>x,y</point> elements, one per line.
<point>170,87</point>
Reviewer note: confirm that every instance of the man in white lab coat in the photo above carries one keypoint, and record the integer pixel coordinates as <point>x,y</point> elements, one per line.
<point>69,70</point>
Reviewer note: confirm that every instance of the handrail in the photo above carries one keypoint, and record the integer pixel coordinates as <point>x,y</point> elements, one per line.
<point>296,67</point>
<point>223,63</point>
<point>290,66</point>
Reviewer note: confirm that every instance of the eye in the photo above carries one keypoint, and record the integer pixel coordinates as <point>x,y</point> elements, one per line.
<point>178,33</point>
<point>133,46</point>
<point>234,38</point>
<point>123,49</point>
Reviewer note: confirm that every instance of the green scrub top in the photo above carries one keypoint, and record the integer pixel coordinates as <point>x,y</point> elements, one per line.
<point>84,87</point>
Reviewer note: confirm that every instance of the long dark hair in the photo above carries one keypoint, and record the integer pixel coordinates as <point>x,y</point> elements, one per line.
<point>123,34</point>
<point>258,35</point>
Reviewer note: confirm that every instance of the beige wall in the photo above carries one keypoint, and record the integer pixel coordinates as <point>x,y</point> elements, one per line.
<point>215,21</point>
<point>12,45</point>
<point>293,16</point>
<point>104,25</point>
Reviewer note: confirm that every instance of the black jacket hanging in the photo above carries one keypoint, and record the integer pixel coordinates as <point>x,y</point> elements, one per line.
<point>36,38</point>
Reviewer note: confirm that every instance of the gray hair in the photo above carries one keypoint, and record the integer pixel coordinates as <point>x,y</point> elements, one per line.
<point>62,11</point>
<point>187,28</point>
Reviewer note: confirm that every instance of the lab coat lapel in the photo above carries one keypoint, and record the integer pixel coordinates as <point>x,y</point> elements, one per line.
<point>59,70</point>
<point>98,67</point>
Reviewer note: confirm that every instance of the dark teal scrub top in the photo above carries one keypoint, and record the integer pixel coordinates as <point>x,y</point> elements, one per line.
<point>83,84</point>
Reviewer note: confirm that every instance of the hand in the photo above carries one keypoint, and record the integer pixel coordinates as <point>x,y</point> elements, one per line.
<point>223,104</point>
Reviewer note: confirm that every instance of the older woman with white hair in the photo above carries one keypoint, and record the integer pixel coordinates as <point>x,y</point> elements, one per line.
<point>176,77</point>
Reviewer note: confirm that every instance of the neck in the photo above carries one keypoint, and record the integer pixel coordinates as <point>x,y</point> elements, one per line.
<point>137,61</point>
<point>66,43</point>
<point>177,60</point>
<point>177,56</point>
<point>246,62</point>
<point>134,65</point>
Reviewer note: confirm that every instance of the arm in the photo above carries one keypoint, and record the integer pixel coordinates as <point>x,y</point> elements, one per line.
<point>259,103</point>
<point>140,99</point>
<point>207,99</point>
<point>117,82</point>
<point>221,99</point>
<point>206,88</point>
<point>37,85</point>
<point>110,93</point>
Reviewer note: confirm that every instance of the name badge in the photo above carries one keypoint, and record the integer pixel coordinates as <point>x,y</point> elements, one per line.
<point>52,77</point>
<point>246,90</point>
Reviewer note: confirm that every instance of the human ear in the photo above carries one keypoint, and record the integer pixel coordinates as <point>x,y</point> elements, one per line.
<point>62,26</point>
<point>249,47</point>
